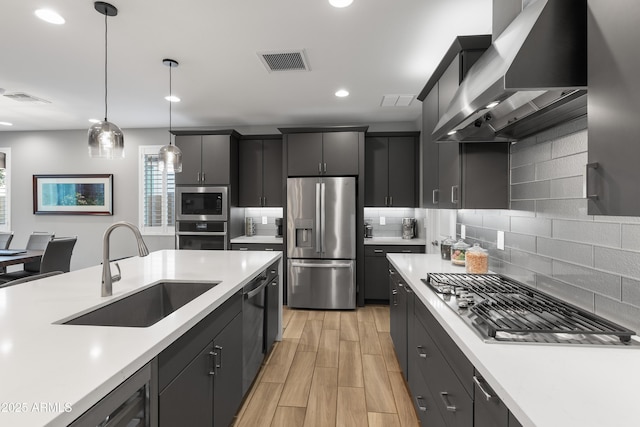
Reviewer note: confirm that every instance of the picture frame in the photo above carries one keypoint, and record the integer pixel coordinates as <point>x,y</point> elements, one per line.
<point>80,194</point>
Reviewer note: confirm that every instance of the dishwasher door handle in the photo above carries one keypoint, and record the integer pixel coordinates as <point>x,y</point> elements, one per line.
<point>252,293</point>
<point>304,265</point>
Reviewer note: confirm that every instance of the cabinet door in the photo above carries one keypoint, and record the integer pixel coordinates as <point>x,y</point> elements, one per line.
<point>376,282</point>
<point>402,171</point>
<point>271,317</point>
<point>430,189</point>
<point>422,400</point>
<point>216,156</point>
<point>449,175</point>
<point>272,172</point>
<point>376,163</point>
<point>191,146</point>
<point>250,173</point>
<point>188,399</point>
<point>304,154</point>
<point>614,106</point>
<point>488,409</point>
<point>340,153</point>
<point>227,383</point>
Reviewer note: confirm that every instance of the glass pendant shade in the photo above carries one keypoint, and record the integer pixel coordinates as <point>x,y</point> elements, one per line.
<point>170,158</point>
<point>106,141</point>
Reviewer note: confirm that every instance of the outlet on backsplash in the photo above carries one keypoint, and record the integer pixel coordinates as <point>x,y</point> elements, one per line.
<point>264,219</point>
<point>387,222</point>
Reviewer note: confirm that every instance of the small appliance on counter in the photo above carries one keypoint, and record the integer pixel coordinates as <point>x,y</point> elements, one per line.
<point>409,229</point>
<point>368,230</point>
<point>249,227</point>
<point>445,248</point>
<point>278,227</point>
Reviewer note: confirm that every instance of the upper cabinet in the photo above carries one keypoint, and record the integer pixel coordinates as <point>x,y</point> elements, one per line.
<point>208,158</point>
<point>612,171</point>
<point>322,153</point>
<point>457,175</point>
<point>391,165</point>
<point>260,169</point>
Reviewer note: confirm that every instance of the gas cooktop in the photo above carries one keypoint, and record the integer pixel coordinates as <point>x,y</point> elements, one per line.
<point>500,309</point>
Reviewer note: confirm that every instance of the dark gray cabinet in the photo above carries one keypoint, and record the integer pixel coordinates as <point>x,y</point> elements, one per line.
<point>488,410</point>
<point>255,247</point>
<point>376,269</point>
<point>391,163</point>
<point>260,169</point>
<point>322,153</point>
<point>200,374</point>
<point>612,171</point>
<point>208,159</point>
<point>401,300</point>
<point>455,175</point>
<point>271,314</point>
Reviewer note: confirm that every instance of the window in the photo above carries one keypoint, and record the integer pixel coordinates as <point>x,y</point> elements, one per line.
<point>157,194</point>
<point>5,191</point>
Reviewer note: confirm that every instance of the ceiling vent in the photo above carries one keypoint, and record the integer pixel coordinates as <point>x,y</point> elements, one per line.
<point>25,97</point>
<point>397,100</point>
<point>289,60</point>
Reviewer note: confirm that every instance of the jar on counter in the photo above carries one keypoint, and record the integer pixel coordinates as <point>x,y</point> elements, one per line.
<point>458,251</point>
<point>445,248</point>
<point>477,260</point>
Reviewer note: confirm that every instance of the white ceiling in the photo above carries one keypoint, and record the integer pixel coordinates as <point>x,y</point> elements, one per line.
<point>372,48</point>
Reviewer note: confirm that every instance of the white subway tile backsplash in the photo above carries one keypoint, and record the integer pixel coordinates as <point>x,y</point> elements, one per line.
<point>531,190</point>
<point>533,154</point>
<point>563,208</point>
<point>567,188</point>
<point>576,253</point>
<point>631,291</point>
<point>630,237</point>
<point>618,261</point>
<point>567,292</point>
<point>587,278</point>
<point>570,144</point>
<point>562,167</point>
<point>524,173</point>
<point>625,314</point>
<point>496,222</point>
<point>534,226</point>
<point>522,242</point>
<point>535,263</point>
<point>597,233</point>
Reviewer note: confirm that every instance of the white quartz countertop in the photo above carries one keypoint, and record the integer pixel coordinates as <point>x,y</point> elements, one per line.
<point>394,241</point>
<point>543,385</point>
<point>270,240</point>
<point>45,362</point>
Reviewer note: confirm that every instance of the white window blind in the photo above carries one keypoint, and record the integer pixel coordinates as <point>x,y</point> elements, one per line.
<point>157,194</point>
<point>5,193</point>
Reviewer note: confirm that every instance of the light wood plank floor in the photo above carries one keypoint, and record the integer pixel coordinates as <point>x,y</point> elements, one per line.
<point>332,368</point>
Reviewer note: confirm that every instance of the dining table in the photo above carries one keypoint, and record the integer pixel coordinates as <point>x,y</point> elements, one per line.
<point>17,256</point>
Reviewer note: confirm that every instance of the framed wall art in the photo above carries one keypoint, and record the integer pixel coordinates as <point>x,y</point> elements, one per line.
<point>73,194</point>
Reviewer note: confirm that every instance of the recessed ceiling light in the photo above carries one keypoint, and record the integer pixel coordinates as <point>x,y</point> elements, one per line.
<point>50,16</point>
<point>342,93</point>
<point>492,104</point>
<point>340,3</point>
<point>172,98</point>
<point>451,132</point>
<point>94,120</point>
<point>6,124</point>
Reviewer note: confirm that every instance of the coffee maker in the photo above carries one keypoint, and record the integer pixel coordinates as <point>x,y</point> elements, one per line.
<point>409,229</point>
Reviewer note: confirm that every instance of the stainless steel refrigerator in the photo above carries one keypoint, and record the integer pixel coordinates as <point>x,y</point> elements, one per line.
<point>321,243</point>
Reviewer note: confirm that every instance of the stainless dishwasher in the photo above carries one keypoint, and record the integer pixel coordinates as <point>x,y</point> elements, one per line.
<point>253,325</point>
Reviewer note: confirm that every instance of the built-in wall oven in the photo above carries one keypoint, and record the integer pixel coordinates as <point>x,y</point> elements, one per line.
<point>201,218</point>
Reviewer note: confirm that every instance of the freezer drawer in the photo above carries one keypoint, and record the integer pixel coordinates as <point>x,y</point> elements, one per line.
<point>322,284</point>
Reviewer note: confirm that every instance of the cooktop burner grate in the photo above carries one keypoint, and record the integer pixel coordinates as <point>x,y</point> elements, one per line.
<point>511,311</point>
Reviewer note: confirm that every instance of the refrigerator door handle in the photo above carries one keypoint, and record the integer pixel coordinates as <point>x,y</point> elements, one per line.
<point>318,224</point>
<point>322,217</point>
<point>310,265</point>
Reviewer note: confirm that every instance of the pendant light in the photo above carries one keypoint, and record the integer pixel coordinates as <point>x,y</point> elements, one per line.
<point>105,138</point>
<point>170,156</point>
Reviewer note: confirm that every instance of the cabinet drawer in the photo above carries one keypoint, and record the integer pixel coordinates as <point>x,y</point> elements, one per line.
<point>423,400</point>
<point>488,409</point>
<point>452,400</point>
<point>380,250</point>
<point>454,357</point>
<point>255,247</point>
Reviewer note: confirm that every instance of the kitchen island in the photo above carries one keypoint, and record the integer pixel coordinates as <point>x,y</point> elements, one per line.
<point>51,373</point>
<point>543,385</point>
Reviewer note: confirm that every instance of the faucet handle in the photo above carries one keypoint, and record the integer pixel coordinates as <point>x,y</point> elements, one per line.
<point>116,277</point>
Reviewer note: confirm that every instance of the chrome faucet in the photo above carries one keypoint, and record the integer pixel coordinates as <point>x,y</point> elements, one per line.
<point>107,279</point>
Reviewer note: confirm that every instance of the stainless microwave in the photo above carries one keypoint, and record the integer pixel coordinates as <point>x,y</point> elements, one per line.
<point>201,203</point>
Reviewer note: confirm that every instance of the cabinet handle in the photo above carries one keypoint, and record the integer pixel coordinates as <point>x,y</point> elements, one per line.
<point>421,352</point>
<point>386,200</point>
<point>390,200</point>
<point>587,192</point>
<point>244,249</point>
<point>445,399</point>
<point>406,251</point>
<point>204,177</point>
<point>394,292</point>
<point>434,199</point>
<point>324,167</point>
<point>213,355</point>
<point>268,249</point>
<point>198,178</point>
<point>265,201</point>
<point>454,194</point>
<point>377,251</point>
<point>219,353</point>
<point>488,396</point>
<point>421,403</point>
<point>319,167</point>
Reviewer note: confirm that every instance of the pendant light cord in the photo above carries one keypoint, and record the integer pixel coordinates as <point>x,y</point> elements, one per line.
<point>170,102</point>
<point>105,67</point>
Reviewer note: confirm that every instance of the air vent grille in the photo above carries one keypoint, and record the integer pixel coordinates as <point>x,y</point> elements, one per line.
<point>25,97</point>
<point>292,60</point>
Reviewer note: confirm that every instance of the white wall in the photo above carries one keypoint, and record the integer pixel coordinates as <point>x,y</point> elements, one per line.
<point>65,152</point>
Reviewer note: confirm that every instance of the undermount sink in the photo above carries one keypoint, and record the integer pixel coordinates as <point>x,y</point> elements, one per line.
<point>146,307</point>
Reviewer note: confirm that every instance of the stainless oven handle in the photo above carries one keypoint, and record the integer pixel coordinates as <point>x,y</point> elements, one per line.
<point>204,233</point>
<point>252,293</point>
<point>304,265</point>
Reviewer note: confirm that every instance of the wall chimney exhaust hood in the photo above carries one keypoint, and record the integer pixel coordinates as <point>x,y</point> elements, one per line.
<point>532,77</point>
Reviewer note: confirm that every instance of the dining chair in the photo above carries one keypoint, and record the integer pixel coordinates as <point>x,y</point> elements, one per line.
<point>38,241</point>
<point>5,239</point>
<point>30,278</point>
<point>56,257</point>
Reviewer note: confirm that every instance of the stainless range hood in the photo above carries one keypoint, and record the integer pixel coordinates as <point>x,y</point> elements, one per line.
<point>532,77</point>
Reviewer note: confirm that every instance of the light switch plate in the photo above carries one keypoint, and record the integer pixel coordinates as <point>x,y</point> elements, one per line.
<point>500,240</point>
<point>463,232</point>
<point>383,220</point>
<point>264,219</point>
